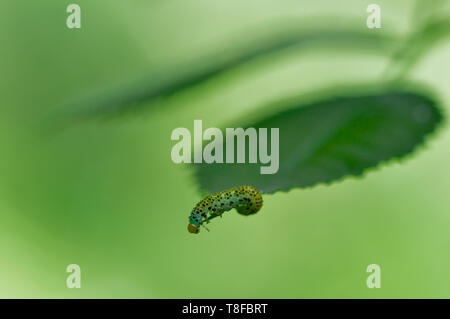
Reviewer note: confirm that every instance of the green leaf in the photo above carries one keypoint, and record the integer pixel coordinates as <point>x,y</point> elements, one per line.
<point>132,97</point>
<point>327,140</point>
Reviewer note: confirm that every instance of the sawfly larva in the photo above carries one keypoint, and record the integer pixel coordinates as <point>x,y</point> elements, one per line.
<point>246,199</point>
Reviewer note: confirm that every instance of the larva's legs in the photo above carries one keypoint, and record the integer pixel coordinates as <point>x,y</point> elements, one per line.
<point>217,213</point>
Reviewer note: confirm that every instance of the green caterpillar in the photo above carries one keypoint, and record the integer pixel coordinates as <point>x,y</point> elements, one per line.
<point>246,199</point>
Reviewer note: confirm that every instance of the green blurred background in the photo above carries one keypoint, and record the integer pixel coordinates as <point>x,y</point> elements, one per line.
<point>105,195</point>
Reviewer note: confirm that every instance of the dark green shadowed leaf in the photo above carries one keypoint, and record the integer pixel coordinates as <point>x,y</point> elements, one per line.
<point>327,140</point>
<point>132,97</point>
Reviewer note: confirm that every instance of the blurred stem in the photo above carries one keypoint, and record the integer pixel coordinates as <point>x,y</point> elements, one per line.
<point>423,12</point>
<point>430,32</point>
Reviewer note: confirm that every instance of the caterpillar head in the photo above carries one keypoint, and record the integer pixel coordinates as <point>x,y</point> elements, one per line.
<point>194,229</point>
<point>194,223</point>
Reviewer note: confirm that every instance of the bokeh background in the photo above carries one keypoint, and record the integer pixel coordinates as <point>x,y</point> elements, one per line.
<point>104,194</point>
